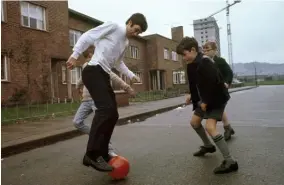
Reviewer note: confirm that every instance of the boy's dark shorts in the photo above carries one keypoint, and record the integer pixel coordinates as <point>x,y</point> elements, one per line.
<point>216,113</point>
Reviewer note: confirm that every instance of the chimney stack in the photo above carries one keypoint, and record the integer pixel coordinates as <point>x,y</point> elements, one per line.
<point>177,33</point>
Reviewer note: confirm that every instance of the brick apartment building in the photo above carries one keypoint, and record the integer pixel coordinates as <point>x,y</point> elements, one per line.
<point>37,39</point>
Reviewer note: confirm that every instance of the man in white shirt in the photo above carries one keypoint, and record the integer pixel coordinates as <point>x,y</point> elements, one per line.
<point>111,41</point>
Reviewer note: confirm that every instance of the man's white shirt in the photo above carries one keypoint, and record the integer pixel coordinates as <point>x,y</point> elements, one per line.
<point>111,43</point>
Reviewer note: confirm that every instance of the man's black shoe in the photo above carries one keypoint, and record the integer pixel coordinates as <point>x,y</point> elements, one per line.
<point>99,164</point>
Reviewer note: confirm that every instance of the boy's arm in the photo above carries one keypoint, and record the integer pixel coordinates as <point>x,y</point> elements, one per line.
<point>208,76</point>
<point>116,79</point>
<point>122,83</point>
<point>227,71</point>
<point>89,38</point>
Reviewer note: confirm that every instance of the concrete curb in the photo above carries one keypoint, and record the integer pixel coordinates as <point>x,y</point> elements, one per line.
<point>61,135</point>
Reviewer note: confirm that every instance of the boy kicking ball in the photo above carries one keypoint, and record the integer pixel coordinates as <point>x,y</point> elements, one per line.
<point>111,42</point>
<point>88,106</point>
<point>209,97</point>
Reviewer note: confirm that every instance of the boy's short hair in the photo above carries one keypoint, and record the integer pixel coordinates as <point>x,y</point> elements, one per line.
<point>138,19</point>
<point>186,44</point>
<point>88,51</point>
<point>210,44</point>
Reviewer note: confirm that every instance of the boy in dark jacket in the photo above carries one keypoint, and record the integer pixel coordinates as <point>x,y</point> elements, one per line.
<point>210,50</point>
<point>209,97</point>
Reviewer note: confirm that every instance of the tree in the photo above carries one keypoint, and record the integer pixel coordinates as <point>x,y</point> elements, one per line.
<point>42,82</point>
<point>27,61</point>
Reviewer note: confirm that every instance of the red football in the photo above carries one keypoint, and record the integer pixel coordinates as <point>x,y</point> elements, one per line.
<point>121,167</point>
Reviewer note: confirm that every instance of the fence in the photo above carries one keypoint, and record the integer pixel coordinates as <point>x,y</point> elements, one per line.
<point>157,95</point>
<point>50,109</point>
<point>36,111</point>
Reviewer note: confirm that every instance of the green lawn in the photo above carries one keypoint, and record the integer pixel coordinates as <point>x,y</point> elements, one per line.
<point>36,111</point>
<point>156,95</point>
<point>275,82</point>
<point>11,114</point>
<point>39,111</point>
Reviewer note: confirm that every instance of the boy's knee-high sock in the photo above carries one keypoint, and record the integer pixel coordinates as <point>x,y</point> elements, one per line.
<point>202,134</point>
<point>223,147</point>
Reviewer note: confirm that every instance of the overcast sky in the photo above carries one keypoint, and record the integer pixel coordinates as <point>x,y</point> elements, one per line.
<point>257,25</point>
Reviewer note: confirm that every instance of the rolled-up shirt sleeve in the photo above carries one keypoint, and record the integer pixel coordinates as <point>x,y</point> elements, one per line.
<point>89,38</point>
<point>124,70</point>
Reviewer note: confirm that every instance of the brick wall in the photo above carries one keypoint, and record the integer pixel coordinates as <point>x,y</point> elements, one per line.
<point>42,46</point>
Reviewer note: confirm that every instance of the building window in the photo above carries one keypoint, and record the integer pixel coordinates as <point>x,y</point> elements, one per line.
<point>4,68</point>
<point>76,74</point>
<point>134,52</point>
<point>178,77</point>
<point>166,54</point>
<point>2,11</point>
<point>33,16</point>
<point>74,36</point>
<point>202,32</point>
<point>174,56</point>
<point>63,75</point>
<point>138,74</point>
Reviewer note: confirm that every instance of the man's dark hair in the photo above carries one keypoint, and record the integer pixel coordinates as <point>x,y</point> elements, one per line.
<point>140,20</point>
<point>186,44</point>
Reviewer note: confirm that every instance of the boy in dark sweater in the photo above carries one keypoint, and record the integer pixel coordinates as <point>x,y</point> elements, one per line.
<point>210,50</point>
<point>209,97</point>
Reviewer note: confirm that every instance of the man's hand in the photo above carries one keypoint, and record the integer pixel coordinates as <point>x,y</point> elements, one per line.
<point>135,79</point>
<point>188,99</point>
<point>71,63</point>
<point>226,85</point>
<point>203,106</point>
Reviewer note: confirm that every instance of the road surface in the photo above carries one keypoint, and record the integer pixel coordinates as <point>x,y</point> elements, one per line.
<point>160,150</point>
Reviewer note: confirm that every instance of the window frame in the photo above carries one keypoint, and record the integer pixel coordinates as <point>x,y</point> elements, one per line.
<point>179,77</point>
<point>140,75</point>
<point>3,13</point>
<point>6,68</point>
<point>74,32</point>
<point>134,52</point>
<point>174,56</point>
<point>78,74</point>
<point>29,25</point>
<point>166,54</point>
<point>63,74</point>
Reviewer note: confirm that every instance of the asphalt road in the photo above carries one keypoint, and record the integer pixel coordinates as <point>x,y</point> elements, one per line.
<point>160,150</point>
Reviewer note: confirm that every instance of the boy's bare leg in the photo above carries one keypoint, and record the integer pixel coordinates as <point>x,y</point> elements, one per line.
<point>195,122</point>
<point>229,131</point>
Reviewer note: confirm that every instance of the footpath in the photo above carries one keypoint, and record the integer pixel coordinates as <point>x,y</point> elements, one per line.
<point>17,138</point>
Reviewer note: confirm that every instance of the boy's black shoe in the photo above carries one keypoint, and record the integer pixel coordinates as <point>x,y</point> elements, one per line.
<point>204,150</point>
<point>99,164</point>
<point>228,133</point>
<point>110,156</point>
<point>225,167</point>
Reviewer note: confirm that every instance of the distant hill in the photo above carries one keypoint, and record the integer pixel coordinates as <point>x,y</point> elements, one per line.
<point>244,69</point>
